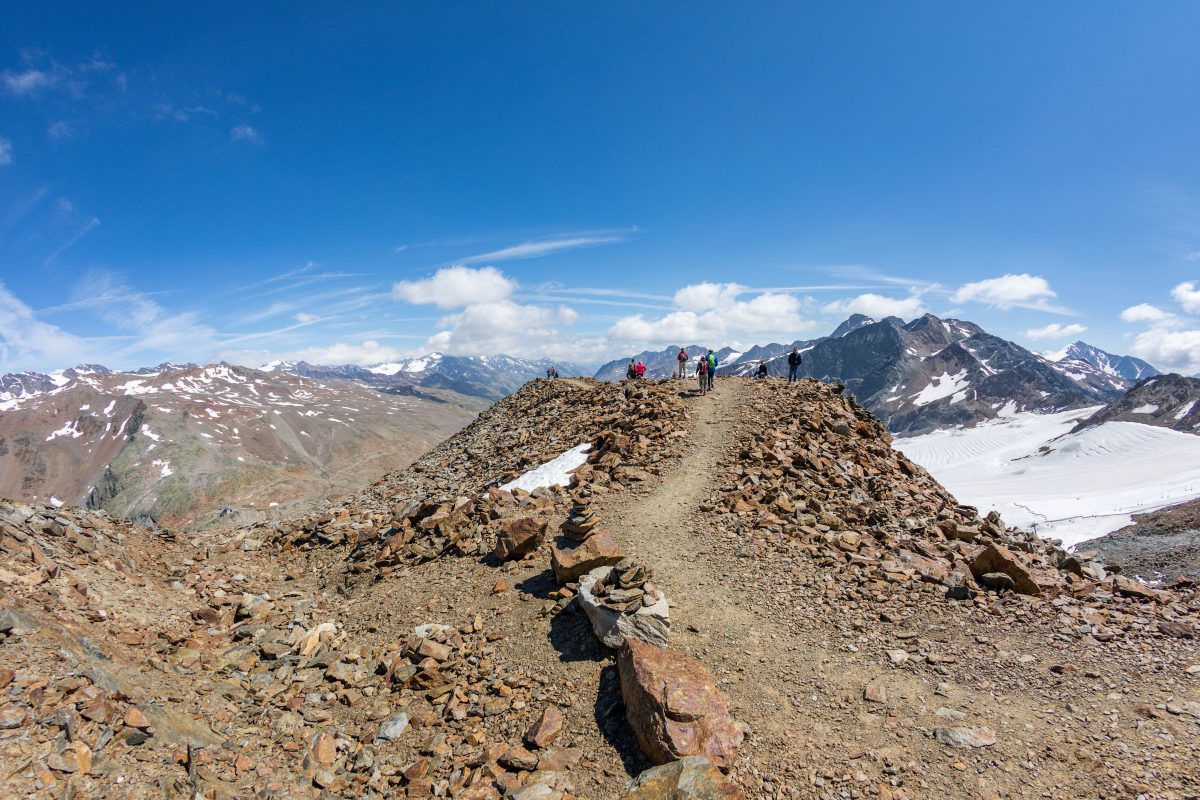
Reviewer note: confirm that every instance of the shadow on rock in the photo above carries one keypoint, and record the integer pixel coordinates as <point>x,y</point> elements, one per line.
<point>610,721</point>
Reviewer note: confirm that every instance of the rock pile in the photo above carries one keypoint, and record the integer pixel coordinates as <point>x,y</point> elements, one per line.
<point>583,546</point>
<point>621,602</point>
<point>816,473</point>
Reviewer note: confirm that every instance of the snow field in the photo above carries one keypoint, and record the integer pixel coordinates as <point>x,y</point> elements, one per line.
<point>1082,486</point>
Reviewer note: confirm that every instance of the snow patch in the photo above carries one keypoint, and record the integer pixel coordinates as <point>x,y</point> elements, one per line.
<point>940,386</point>
<point>69,429</point>
<point>555,472</point>
<point>1149,408</point>
<point>164,466</point>
<point>1185,410</point>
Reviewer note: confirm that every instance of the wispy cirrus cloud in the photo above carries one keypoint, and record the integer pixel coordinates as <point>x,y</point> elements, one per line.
<point>537,248</point>
<point>6,156</point>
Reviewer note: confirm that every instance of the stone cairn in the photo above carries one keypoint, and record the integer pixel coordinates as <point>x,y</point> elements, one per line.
<point>626,587</point>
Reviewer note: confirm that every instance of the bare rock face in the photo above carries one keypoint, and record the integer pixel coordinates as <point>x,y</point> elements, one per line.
<point>641,613</point>
<point>520,536</point>
<point>691,778</point>
<point>571,559</point>
<point>673,706</point>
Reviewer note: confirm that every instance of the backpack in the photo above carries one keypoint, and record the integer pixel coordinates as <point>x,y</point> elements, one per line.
<point>712,360</point>
<point>702,367</point>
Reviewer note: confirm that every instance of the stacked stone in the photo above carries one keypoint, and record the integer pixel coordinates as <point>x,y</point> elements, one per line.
<point>583,545</point>
<point>626,587</point>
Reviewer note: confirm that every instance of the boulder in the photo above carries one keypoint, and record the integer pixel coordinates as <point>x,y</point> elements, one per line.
<point>673,706</point>
<point>648,623</point>
<point>571,559</point>
<point>995,558</point>
<point>691,778</point>
<point>520,536</point>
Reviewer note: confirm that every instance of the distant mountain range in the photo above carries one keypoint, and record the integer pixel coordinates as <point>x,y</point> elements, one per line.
<point>179,443</point>
<point>930,373</point>
<point>488,377</point>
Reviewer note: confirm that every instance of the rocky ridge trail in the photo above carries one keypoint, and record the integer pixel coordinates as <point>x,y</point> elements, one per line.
<point>818,571</point>
<point>873,637</point>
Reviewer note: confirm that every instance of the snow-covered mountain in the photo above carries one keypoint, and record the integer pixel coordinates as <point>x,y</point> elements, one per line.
<point>1127,367</point>
<point>180,444</point>
<point>488,377</point>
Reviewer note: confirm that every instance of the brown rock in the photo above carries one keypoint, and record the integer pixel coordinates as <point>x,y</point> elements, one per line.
<point>1128,587</point>
<point>570,559</point>
<point>691,778</point>
<point>996,558</point>
<point>547,726</point>
<point>673,706</point>
<point>520,536</point>
<point>435,650</point>
<point>134,718</point>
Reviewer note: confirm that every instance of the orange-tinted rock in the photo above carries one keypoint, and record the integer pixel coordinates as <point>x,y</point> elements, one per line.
<point>673,706</point>
<point>571,559</point>
<point>546,728</point>
<point>520,536</point>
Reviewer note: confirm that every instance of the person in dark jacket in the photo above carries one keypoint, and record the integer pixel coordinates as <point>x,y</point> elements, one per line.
<point>794,361</point>
<point>762,369</point>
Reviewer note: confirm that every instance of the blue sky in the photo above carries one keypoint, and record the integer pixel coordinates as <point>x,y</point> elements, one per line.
<point>585,180</point>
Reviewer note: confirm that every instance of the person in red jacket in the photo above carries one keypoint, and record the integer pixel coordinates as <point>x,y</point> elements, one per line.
<point>640,370</point>
<point>682,359</point>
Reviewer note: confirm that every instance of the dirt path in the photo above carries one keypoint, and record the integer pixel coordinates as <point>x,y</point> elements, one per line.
<point>795,661</point>
<point>714,617</point>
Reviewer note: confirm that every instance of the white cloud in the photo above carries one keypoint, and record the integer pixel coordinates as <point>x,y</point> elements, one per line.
<point>29,82</point>
<point>1175,350</point>
<point>705,296</point>
<point>1144,312</point>
<point>1008,291</point>
<point>1193,256</point>
<point>456,287</point>
<point>1187,296</point>
<point>305,318</point>
<point>245,133</point>
<point>507,327</point>
<point>5,152</point>
<point>545,247</point>
<point>714,314</point>
<point>364,353</point>
<point>878,306</point>
<point>28,343</point>
<point>1056,331</point>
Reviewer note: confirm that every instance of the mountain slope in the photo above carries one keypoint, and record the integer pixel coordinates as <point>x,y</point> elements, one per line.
<point>185,443</point>
<point>1166,401</point>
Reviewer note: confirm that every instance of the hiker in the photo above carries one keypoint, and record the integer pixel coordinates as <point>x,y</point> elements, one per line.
<point>702,374</point>
<point>631,372</point>
<point>762,369</point>
<point>794,361</point>
<point>640,370</point>
<point>711,358</point>
<point>682,360</point>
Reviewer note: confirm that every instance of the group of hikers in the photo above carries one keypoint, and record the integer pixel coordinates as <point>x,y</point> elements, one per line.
<point>551,373</point>
<point>706,368</point>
